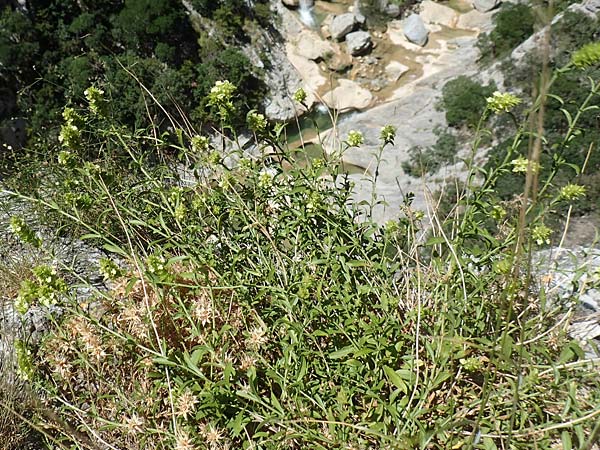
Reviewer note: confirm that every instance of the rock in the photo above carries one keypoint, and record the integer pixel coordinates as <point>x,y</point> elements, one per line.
<point>358,43</point>
<point>568,277</point>
<point>360,19</point>
<point>433,12</point>
<point>291,3</point>
<point>342,25</point>
<point>593,6</point>
<point>473,20</point>
<point>308,70</point>
<point>485,5</point>
<point>339,62</point>
<point>392,10</point>
<point>394,70</point>
<point>415,31</point>
<point>348,96</point>
<point>310,45</point>
<point>326,25</point>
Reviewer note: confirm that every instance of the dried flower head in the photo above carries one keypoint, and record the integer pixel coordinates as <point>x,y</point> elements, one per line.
<point>183,441</point>
<point>133,424</point>
<point>257,337</point>
<point>186,404</point>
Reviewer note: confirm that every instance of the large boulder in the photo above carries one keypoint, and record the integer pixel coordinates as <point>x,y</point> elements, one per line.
<point>485,5</point>
<point>359,42</point>
<point>310,45</point>
<point>342,25</point>
<point>433,12</point>
<point>308,70</point>
<point>348,96</point>
<point>415,31</point>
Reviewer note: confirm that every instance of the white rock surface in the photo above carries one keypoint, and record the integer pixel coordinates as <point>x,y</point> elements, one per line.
<point>311,46</point>
<point>342,25</point>
<point>348,96</point>
<point>474,20</point>
<point>358,43</point>
<point>308,70</point>
<point>485,5</point>
<point>414,30</point>
<point>433,12</point>
<point>394,70</point>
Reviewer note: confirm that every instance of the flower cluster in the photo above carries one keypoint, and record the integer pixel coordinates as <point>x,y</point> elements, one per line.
<point>220,97</point>
<point>44,289</point>
<point>388,134</point>
<point>200,144</point>
<point>300,95</point>
<point>65,158</point>
<point>256,122</point>
<point>355,138</point>
<point>70,134</point>
<point>522,164</point>
<point>109,269</point>
<point>24,232</point>
<point>541,234</point>
<point>572,191</point>
<point>500,102</point>
<point>586,56</point>
<point>156,265</point>
<point>24,363</point>
<point>95,98</point>
<point>266,178</point>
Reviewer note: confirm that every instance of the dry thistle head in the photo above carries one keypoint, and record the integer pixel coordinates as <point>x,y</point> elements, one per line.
<point>186,404</point>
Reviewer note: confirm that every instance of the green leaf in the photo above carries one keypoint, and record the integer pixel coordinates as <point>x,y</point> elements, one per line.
<point>114,249</point>
<point>395,379</point>
<point>436,240</point>
<point>343,352</point>
<point>565,438</point>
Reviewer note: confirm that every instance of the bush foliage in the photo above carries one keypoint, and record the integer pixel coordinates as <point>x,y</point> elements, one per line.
<point>464,101</point>
<point>250,304</point>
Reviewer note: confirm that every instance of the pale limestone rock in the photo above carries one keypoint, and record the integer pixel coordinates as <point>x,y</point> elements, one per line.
<point>433,12</point>
<point>474,20</point>
<point>309,70</point>
<point>358,43</point>
<point>310,45</point>
<point>485,5</point>
<point>342,25</point>
<point>394,70</point>
<point>414,30</point>
<point>348,96</point>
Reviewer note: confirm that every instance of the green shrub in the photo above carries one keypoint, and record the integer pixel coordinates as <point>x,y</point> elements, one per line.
<point>464,101</point>
<point>252,305</point>
<point>513,24</point>
<point>430,160</point>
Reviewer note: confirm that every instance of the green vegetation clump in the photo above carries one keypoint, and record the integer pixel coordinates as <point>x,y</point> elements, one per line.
<point>51,52</point>
<point>430,160</point>
<point>253,305</point>
<point>575,96</point>
<point>513,23</point>
<point>464,101</point>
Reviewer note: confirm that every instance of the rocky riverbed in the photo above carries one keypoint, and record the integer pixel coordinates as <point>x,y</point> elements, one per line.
<point>396,79</point>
